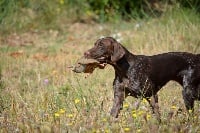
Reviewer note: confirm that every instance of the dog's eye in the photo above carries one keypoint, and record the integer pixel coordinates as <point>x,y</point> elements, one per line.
<point>100,45</point>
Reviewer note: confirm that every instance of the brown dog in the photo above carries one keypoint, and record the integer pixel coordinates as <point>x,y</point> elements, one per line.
<point>143,76</point>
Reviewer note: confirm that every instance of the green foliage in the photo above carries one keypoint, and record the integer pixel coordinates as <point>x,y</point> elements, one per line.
<point>9,7</point>
<point>9,10</point>
<point>192,4</point>
<point>106,9</point>
<point>23,15</point>
<point>26,15</point>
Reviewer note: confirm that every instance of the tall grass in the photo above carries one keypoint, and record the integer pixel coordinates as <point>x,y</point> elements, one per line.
<point>45,96</point>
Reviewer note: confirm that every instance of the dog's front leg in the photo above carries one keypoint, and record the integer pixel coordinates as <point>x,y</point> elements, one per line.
<point>118,99</point>
<point>153,101</point>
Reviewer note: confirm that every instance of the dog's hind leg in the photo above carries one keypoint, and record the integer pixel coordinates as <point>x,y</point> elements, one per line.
<point>188,89</point>
<point>188,98</point>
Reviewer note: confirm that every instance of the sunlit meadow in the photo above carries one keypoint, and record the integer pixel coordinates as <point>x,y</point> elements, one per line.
<point>40,93</point>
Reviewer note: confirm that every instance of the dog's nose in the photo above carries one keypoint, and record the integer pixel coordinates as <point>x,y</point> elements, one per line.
<point>87,53</point>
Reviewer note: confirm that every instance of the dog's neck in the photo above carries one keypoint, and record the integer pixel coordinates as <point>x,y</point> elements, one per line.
<point>122,65</point>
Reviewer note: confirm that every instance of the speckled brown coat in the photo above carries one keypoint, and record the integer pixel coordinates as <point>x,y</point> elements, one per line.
<point>142,76</point>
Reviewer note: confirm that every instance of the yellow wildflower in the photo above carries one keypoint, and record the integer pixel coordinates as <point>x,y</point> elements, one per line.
<point>70,115</point>
<point>140,112</point>
<point>126,129</point>
<point>76,101</point>
<point>104,119</point>
<point>173,107</point>
<point>134,111</point>
<point>70,124</point>
<point>148,116</point>
<point>62,2</point>
<point>144,101</point>
<point>57,115</point>
<point>134,115</point>
<point>139,130</point>
<point>190,111</point>
<point>125,105</point>
<point>62,111</point>
<point>107,131</point>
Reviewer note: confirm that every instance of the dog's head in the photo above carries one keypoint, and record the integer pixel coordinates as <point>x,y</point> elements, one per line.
<point>106,50</point>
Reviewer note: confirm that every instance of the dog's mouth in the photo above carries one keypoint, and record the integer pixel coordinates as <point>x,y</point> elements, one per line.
<point>87,65</point>
<point>102,62</point>
<point>102,65</point>
<point>103,59</point>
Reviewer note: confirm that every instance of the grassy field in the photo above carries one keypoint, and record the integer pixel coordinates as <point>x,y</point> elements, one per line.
<point>39,93</point>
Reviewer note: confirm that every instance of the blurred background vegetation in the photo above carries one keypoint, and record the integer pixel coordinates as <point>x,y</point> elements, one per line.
<point>23,15</point>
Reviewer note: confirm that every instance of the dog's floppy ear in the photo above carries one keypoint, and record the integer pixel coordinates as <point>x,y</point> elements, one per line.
<point>118,51</point>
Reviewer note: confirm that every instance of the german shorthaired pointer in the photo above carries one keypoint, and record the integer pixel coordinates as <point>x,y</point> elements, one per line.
<point>143,76</point>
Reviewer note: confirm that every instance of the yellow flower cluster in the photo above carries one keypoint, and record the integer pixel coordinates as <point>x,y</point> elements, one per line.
<point>127,129</point>
<point>135,113</point>
<point>60,112</point>
<point>70,115</point>
<point>139,113</point>
<point>63,111</point>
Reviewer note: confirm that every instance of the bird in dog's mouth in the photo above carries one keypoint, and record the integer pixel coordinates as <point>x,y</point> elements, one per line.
<point>86,65</point>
